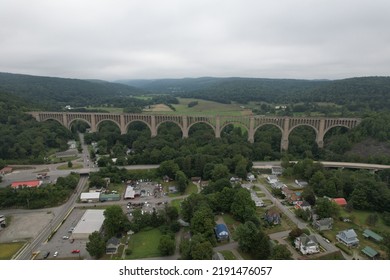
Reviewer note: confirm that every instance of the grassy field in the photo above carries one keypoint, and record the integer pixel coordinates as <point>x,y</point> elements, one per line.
<point>144,244</point>
<point>203,108</point>
<point>7,250</point>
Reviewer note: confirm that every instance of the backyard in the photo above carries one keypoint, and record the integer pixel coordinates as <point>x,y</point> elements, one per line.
<point>144,244</point>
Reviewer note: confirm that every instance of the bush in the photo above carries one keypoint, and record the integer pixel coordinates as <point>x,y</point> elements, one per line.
<point>128,252</point>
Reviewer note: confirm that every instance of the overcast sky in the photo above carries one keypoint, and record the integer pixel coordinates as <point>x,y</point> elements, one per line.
<point>130,39</point>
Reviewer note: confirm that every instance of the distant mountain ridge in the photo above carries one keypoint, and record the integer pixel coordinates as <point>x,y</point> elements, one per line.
<point>372,93</point>
<point>62,91</point>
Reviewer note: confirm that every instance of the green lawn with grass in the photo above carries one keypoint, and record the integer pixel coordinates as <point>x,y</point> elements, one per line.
<point>7,250</point>
<point>228,255</point>
<point>144,244</point>
<point>176,203</point>
<point>74,166</point>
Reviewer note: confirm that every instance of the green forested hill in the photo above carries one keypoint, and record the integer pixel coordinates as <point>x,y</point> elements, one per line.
<point>54,93</point>
<point>357,94</point>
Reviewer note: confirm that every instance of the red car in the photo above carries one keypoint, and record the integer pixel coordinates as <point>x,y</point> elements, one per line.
<point>75,251</point>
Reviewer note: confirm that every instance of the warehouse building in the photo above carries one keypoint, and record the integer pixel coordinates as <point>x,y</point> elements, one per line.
<point>91,221</point>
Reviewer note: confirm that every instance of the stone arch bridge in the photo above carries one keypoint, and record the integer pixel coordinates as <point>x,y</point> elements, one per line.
<point>320,125</point>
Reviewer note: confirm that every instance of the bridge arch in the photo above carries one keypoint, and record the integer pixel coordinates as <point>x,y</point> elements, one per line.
<point>264,124</point>
<point>200,122</point>
<point>107,120</point>
<point>233,123</point>
<point>70,123</point>
<point>135,121</point>
<point>54,119</point>
<point>175,122</point>
<point>336,125</point>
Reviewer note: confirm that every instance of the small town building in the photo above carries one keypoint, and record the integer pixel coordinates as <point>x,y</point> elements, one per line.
<point>277,170</point>
<point>90,197</point>
<point>272,216</point>
<point>372,235</point>
<point>129,193</point>
<point>340,201</point>
<point>307,244</point>
<point>348,237</point>
<point>301,183</point>
<point>370,252</point>
<point>110,197</point>
<point>272,179</point>
<point>221,232</point>
<point>27,184</point>
<point>112,245</point>
<point>91,221</point>
<point>323,224</point>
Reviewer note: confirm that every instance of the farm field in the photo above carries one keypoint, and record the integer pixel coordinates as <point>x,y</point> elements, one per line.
<point>202,108</point>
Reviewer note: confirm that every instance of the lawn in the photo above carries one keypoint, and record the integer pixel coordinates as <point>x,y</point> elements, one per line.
<point>228,255</point>
<point>231,223</point>
<point>144,244</point>
<point>7,250</point>
<point>74,166</point>
<point>176,203</point>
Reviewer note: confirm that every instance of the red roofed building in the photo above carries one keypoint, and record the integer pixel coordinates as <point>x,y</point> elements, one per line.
<point>340,201</point>
<point>28,184</point>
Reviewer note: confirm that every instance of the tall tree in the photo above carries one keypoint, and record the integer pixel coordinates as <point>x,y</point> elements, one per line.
<point>96,246</point>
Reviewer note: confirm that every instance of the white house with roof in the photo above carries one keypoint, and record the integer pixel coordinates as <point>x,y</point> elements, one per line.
<point>307,244</point>
<point>348,237</point>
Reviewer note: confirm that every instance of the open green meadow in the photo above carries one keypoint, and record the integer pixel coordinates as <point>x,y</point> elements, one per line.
<point>144,244</point>
<point>7,250</point>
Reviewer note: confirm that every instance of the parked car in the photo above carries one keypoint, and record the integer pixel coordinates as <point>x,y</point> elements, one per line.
<point>55,254</point>
<point>65,237</point>
<point>45,256</point>
<point>76,251</point>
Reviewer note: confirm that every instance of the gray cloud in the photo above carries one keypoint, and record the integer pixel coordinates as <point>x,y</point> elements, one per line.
<point>176,38</point>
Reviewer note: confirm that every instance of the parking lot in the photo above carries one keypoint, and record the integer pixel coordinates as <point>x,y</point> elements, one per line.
<point>65,246</point>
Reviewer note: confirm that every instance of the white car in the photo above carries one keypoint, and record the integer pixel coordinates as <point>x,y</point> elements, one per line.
<point>65,237</point>
<point>55,254</point>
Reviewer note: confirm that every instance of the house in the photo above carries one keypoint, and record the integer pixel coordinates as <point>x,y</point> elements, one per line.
<point>272,179</point>
<point>301,183</point>
<point>173,189</point>
<point>307,244</point>
<point>323,224</point>
<point>196,179</point>
<point>258,201</point>
<point>348,237</point>
<point>304,205</point>
<point>112,245</point>
<point>370,234</point>
<point>276,170</point>
<point>291,196</point>
<point>250,177</point>
<point>221,232</point>
<point>278,185</point>
<point>340,201</point>
<point>272,216</point>
<point>28,184</point>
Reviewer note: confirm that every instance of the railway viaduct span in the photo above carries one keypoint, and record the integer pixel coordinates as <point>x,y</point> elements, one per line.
<point>251,123</point>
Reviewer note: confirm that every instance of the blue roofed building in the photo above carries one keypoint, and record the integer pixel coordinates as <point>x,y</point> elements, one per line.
<point>221,232</point>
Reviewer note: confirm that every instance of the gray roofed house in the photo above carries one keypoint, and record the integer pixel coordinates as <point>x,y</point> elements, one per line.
<point>323,224</point>
<point>112,245</point>
<point>307,244</point>
<point>348,237</point>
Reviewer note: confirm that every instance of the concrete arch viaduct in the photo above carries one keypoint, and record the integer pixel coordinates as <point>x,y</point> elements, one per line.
<point>321,125</point>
